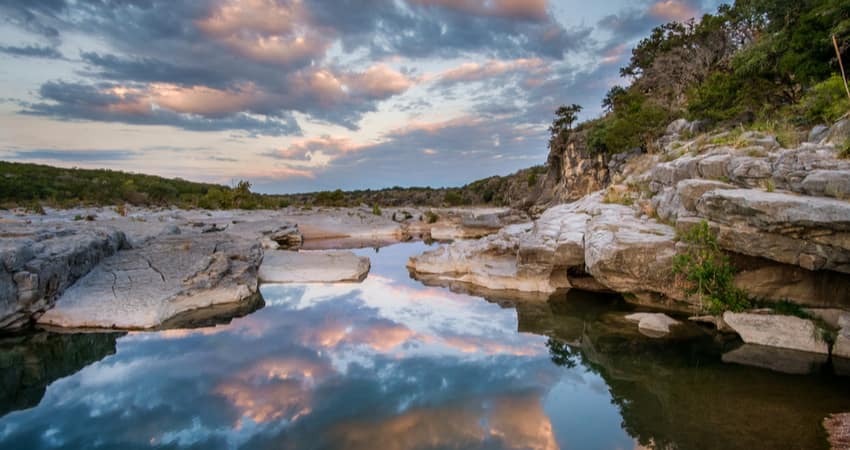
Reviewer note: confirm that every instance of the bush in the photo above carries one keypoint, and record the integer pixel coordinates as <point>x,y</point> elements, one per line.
<point>708,272</point>
<point>431,216</point>
<point>376,210</point>
<point>453,198</point>
<point>825,102</point>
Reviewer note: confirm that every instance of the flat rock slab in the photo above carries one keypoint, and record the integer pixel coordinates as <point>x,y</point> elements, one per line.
<point>777,331</point>
<point>144,287</point>
<point>313,267</point>
<point>653,324</point>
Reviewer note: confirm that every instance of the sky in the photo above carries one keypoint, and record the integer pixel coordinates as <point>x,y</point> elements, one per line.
<point>307,95</point>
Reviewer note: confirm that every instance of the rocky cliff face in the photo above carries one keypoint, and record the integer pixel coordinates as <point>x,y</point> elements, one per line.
<point>573,171</point>
<point>782,214</point>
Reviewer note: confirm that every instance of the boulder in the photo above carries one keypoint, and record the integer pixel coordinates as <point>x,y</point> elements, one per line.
<point>828,183</point>
<point>313,267</point>
<point>143,287</point>
<point>818,134</point>
<point>36,267</point>
<point>779,331</point>
<point>287,237</point>
<point>627,254</point>
<point>839,133</point>
<point>653,325</point>
<point>812,232</point>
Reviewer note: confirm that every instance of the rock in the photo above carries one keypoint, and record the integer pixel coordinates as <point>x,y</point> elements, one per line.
<point>715,167</point>
<point>170,230</point>
<point>715,321</point>
<point>287,237</point>
<point>777,331</point>
<point>626,254</point>
<point>653,325</point>
<point>838,428</point>
<point>839,133</point>
<point>811,232</point>
<point>749,171</point>
<point>313,267</point>
<point>818,134</point>
<point>38,266</point>
<point>769,280</point>
<point>490,262</point>
<point>829,183</point>
<point>782,360</point>
<point>143,287</point>
<point>213,228</point>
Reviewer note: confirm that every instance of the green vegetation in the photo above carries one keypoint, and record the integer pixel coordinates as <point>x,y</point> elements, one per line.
<point>376,210</point>
<point>431,216</point>
<point>708,272</point>
<point>768,65</point>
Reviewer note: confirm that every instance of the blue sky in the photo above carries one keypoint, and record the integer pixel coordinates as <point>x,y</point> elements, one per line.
<point>303,95</point>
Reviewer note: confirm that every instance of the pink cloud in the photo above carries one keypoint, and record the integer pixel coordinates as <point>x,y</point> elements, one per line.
<point>267,30</point>
<point>673,10</point>
<point>512,9</point>
<point>379,81</point>
<point>492,68</point>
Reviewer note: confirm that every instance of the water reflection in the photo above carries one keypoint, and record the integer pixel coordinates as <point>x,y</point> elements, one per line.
<point>393,364</point>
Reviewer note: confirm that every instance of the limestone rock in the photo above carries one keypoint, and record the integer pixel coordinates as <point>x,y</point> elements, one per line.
<point>36,267</point>
<point>653,325</point>
<point>839,132</point>
<point>627,254</point>
<point>812,232</point>
<point>777,331</point>
<point>829,183</point>
<point>313,267</point>
<point>287,237</point>
<point>818,134</point>
<point>142,288</point>
<point>838,428</point>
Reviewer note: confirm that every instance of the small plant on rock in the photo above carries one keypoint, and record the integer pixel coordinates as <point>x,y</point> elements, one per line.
<point>376,210</point>
<point>708,273</point>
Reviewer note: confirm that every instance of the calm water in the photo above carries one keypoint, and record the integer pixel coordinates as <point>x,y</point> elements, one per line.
<point>392,364</point>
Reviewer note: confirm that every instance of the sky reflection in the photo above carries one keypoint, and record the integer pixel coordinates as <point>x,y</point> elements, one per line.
<point>387,364</point>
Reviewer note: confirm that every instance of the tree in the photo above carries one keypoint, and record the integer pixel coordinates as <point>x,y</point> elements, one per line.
<point>613,98</point>
<point>565,117</point>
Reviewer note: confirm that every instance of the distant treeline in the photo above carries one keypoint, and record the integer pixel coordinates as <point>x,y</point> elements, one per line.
<point>35,185</point>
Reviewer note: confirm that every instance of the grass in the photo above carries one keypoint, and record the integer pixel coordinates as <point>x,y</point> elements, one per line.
<point>618,197</point>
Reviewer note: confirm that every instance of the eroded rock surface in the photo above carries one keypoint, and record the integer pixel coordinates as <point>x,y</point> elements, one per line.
<point>777,331</point>
<point>144,287</point>
<point>36,267</point>
<point>653,324</point>
<point>313,267</point>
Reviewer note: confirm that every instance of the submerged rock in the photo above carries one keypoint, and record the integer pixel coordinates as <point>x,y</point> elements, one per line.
<point>653,324</point>
<point>779,331</point>
<point>782,360</point>
<point>36,267</point>
<point>142,288</point>
<point>313,267</point>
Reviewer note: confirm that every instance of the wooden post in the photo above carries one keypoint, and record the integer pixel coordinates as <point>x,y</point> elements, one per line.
<point>841,64</point>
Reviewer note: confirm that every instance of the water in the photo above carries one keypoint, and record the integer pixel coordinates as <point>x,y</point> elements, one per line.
<point>392,364</point>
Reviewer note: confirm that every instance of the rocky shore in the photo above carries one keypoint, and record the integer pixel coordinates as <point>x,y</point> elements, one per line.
<point>781,214</point>
<point>105,268</point>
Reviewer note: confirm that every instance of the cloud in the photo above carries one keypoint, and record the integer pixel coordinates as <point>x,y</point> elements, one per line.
<point>73,155</point>
<point>469,72</point>
<point>535,10</point>
<point>204,110</point>
<point>32,51</point>
<point>671,10</point>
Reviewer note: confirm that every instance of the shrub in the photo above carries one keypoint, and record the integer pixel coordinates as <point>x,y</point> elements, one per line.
<point>431,216</point>
<point>708,272</point>
<point>376,210</point>
<point>453,198</point>
<point>825,102</point>
<point>532,179</point>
